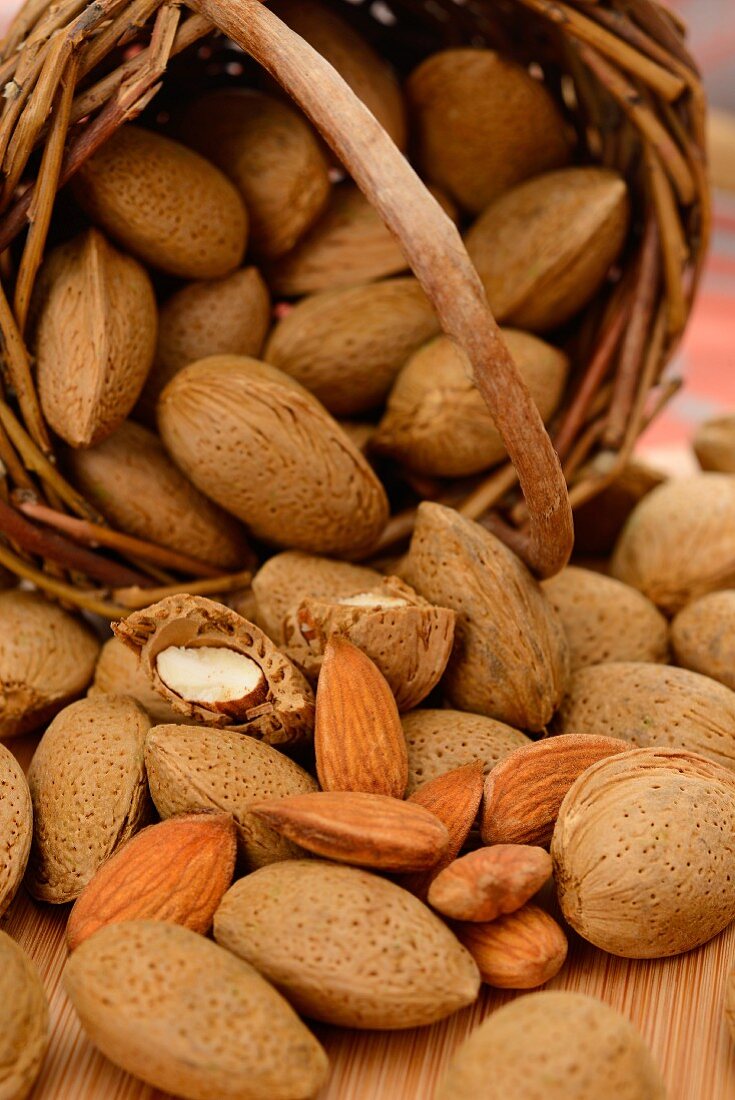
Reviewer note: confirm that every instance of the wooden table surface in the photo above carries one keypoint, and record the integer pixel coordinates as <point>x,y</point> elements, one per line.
<point>676,1003</point>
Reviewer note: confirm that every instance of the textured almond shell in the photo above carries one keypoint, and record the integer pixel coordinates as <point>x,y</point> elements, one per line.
<point>643,859</point>
<point>201,769</point>
<point>207,1027</point>
<point>703,637</point>
<point>678,542</point>
<point>544,248</point>
<point>347,346</point>
<point>132,481</point>
<point>258,444</point>
<point>714,444</point>
<point>520,950</point>
<point>95,338</point>
<point>164,203</point>
<point>24,1021</point>
<point>310,927</point>
<point>16,829</point>
<point>286,714</point>
<point>47,658</point>
<point>88,786</point>
<point>605,620</point>
<point>556,1045</point>
<point>440,740</point>
<point>118,672</point>
<point>652,706</point>
<point>510,659</point>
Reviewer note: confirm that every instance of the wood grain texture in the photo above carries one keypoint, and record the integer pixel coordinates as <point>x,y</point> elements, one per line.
<point>676,1003</point>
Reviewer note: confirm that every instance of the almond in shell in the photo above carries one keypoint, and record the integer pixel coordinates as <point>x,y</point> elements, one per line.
<point>441,740</point>
<point>521,950</point>
<point>16,828</point>
<point>118,672</point>
<point>24,1021</point>
<point>714,444</point>
<point>703,637</point>
<point>490,882</point>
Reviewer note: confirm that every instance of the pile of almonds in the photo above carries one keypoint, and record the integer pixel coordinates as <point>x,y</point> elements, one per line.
<point>362,787</point>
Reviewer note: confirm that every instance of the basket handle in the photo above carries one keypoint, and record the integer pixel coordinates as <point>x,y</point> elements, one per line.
<point>435,251</point>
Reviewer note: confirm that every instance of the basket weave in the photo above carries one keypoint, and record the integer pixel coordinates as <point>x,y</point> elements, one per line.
<point>73,72</point>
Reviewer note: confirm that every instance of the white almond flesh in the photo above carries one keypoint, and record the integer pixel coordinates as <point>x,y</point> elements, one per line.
<point>213,675</point>
<point>372,599</point>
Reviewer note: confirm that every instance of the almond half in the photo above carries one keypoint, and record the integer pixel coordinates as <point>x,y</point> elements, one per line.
<point>520,951</point>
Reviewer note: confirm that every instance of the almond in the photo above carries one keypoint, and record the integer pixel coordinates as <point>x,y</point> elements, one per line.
<point>259,445</point>
<point>605,620</point>
<point>490,882</point>
<point>599,521</point>
<point>210,664</point>
<point>118,672</point>
<point>510,659</point>
<point>175,871</point>
<point>95,338</point>
<point>358,737</point>
<point>47,659</point>
<point>88,785</point>
<point>346,946</point>
<point>366,830</point>
<point>16,828</point>
<point>544,248</point>
<point>164,203</point>
<point>523,793</point>
<point>202,769</point>
<point>703,637</point>
<point>639,859</point>
<point>186,1017</point>
<point>271,154</point>
<point>714,444</point>
<point>521,950</point>
<point>347,346</point>
<point>132,481</point>
<point>24,1021</point>
<point>441,740</point>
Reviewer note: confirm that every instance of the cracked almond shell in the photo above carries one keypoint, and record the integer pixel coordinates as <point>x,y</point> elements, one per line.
<point>118,672</point>
<point>24,1021</point>
<point>280,708</point>
<point>642,858</point>
<point>16,830</point>
<point>510,658</point>
<point>88,785</point>
<point>262,447</point>
<point>703,637</point>
<point>439,741</point>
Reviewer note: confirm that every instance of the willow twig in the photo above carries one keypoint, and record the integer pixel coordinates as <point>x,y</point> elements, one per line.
<point>135,598</point>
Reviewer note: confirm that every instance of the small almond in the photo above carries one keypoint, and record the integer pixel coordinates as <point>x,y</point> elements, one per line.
<point>175,871</point>
<point>522,950</point>
<point>24,1021</point>
<point>490,882</point>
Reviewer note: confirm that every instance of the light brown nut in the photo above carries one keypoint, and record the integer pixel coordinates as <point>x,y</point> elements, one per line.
<point>440,740</point>
<point>47,658</point>
<point>193,769</point>
<point>599,521</point>
<point>437,422</point>
<point>118,672</point>
<point>347,346</point>
<point>210,664</point>
<point>523,793</point>
<point>132,481</point>
<point>358,738</point>
<point>177,870</point>
<point>262,447</point>
<point>24,1021</point>
<point>677,544</point>
<point>510,659</point>
<point>88,785</point>
<point>521,950</point>
<point>206,1026</point>
<point>703,637</point>
<point>95,337</point>
<point>714,444</point>
<point>365,830</point>
<point>559,1045</point>
<point>544,248</point>
<point>482,124</point>
<point>652,706</point>
<point>490,882</point>
<point>164,203</point>
<point>310,927</point>
<point>16,828</point>
<point>271,154</point>
<point>640,860</point>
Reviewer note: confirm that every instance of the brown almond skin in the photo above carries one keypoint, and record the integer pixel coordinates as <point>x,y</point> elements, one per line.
<point>24,1021</point>
<point>95,337</point>
<point>703,637</point>
<point>164,203</point>
<point>177,870</point>
<point>16,827</point>
<point>132,481</point>
<point>88,785</point>
<point>365,830</point>
<point>523,793</point>
<point>262,447</point>
<point>197,769</point>
<point>310,927</point>
<point>169,1031</point>
<point>714,444</point>
<point>490,882</point>
<point>521,950</point>
<point>440,740</point>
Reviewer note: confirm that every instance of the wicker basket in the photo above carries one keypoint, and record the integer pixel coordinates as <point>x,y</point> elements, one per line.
<point>73,73</point>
